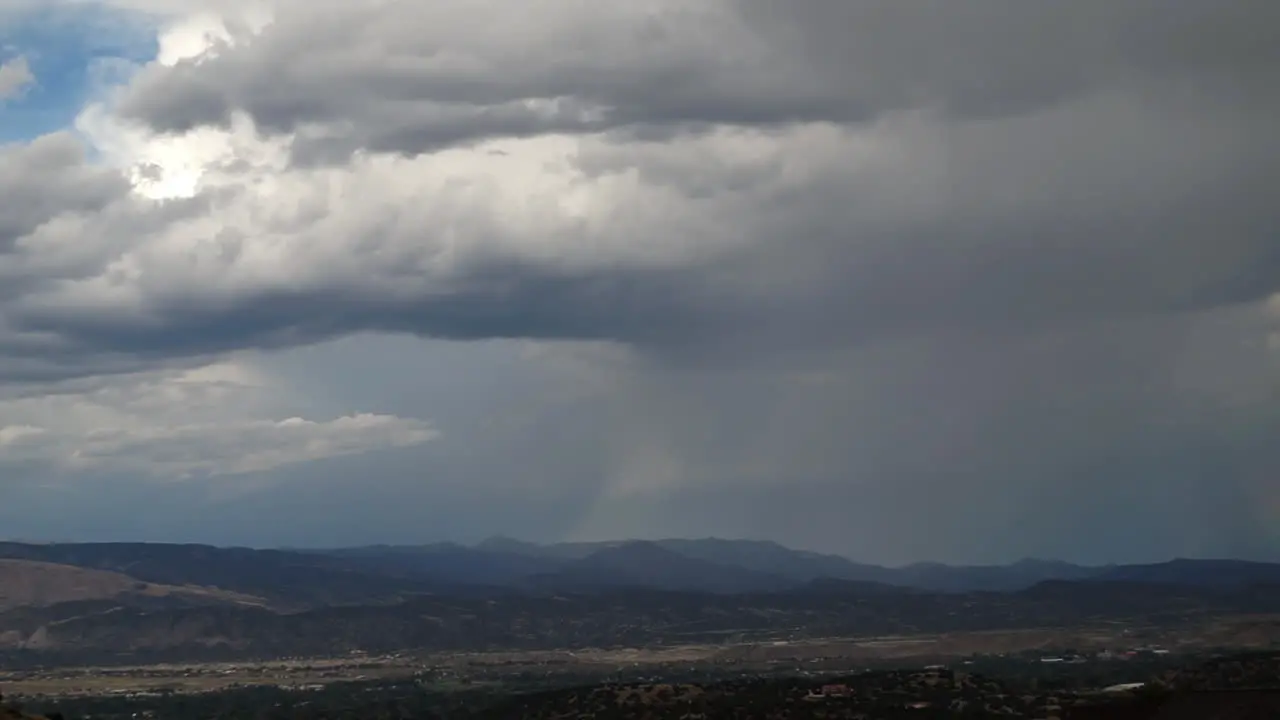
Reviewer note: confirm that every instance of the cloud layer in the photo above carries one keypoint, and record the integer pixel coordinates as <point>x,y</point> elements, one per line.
<point>879,250</point>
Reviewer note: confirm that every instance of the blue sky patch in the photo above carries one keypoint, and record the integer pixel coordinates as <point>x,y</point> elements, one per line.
<point>73,52</point>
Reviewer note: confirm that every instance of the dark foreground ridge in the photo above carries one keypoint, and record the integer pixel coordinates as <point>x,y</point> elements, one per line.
<point>892,695</point>
<point>1234,688</point>
<point>1237,688</point>
<point>11,712</point>
<point>107,631</point>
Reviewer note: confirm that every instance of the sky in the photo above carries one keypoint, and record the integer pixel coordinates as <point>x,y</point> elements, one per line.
<point>960,282</point>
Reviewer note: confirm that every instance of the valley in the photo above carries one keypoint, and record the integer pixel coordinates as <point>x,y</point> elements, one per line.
<point>84,626</point>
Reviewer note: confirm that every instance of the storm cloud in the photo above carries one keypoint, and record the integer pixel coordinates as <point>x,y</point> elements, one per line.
<point>978,274</point>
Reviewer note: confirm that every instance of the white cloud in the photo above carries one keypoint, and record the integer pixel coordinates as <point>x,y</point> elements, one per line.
<point>208,421</point>
<point>15,78</point>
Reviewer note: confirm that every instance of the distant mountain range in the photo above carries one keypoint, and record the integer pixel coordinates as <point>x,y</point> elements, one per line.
<point>718,565</point>
<point>380,573</point>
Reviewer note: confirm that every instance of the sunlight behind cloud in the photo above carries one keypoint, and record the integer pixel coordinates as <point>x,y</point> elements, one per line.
<point>168,166</point>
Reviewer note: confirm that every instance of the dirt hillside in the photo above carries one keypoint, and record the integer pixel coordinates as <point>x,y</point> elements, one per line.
<point>27,583</point>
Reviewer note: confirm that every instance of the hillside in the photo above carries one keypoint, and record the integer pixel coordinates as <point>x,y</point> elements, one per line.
<point>617,617</point>
<point>32,583</point>
<point>283,578</point>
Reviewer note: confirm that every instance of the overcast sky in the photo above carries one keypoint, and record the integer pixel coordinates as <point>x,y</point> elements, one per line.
<point>923,280</point>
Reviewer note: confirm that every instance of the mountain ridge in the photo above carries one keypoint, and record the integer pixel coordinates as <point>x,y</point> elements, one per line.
<point>646,564</point>
<point>499,595</point>
<point>386,573</point>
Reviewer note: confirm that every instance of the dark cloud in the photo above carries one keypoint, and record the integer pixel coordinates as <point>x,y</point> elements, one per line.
<point>1007,167</point>
<point>440,77</point>
<point>47,178</point>
<point>983,226</point>
<point>502,302</point>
